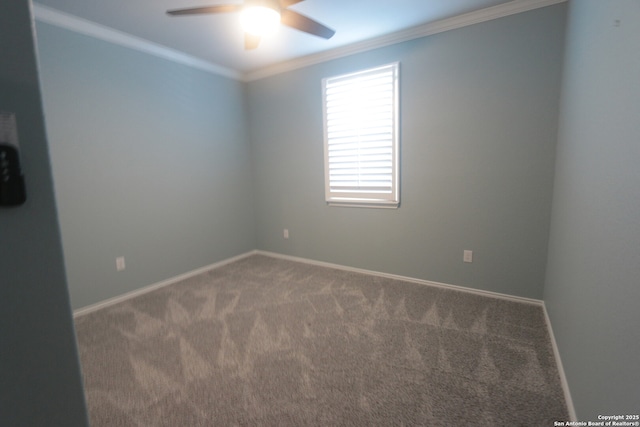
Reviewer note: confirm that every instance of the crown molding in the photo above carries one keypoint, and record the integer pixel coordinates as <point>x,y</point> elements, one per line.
<point>89,28</point>
<point>471,18</point>
<point>51,16</point>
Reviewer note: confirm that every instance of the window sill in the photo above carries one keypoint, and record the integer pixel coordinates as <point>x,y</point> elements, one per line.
<point>364,204</point>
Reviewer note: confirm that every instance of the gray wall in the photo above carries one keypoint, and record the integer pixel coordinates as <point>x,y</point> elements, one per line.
<point>40,382</point>
<point>593,280</point>
<point>150,160</point>
<point>479,109</point>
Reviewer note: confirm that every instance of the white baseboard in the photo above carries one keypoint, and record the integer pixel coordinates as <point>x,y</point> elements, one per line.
<point>563,377</point>
<point>404,278</point>
<point>120,298</point>
<point>152,287</point>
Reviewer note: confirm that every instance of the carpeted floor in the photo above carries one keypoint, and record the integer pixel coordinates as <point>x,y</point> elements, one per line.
<point>271,342</point>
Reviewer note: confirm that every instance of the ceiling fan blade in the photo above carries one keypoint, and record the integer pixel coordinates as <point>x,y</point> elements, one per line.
<point>209,9</point>
<point>308,25</point>
<point>251,41</point>
<point>287,3</point>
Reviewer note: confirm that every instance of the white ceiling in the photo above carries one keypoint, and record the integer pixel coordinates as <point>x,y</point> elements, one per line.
<point>218,39</point>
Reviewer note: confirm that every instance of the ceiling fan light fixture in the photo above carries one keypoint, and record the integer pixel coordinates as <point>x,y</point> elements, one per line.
<point>259,20</point>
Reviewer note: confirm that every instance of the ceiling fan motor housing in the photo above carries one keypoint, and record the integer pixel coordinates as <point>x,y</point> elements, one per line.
<point>260,17</point>
<point>271,4</point>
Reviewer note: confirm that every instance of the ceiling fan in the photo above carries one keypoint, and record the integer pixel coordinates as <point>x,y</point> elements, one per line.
<point>259,17</point>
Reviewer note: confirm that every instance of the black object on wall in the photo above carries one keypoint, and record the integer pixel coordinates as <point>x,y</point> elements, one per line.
<point>12,189</point>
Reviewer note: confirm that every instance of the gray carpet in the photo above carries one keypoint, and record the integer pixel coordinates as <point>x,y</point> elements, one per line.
<point>270,342</point>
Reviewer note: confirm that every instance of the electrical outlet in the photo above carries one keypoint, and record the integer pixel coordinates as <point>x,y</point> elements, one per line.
<point>285,233</point>
<point>467,256</point>
<point>120,263</point>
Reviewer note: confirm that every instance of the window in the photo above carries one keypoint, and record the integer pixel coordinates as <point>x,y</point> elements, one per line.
<point>361,138</point>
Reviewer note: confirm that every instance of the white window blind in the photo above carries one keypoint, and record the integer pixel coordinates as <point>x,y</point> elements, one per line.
<point>361,138</point>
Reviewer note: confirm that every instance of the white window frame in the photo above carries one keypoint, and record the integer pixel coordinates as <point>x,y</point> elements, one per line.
<point>362,195</point>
